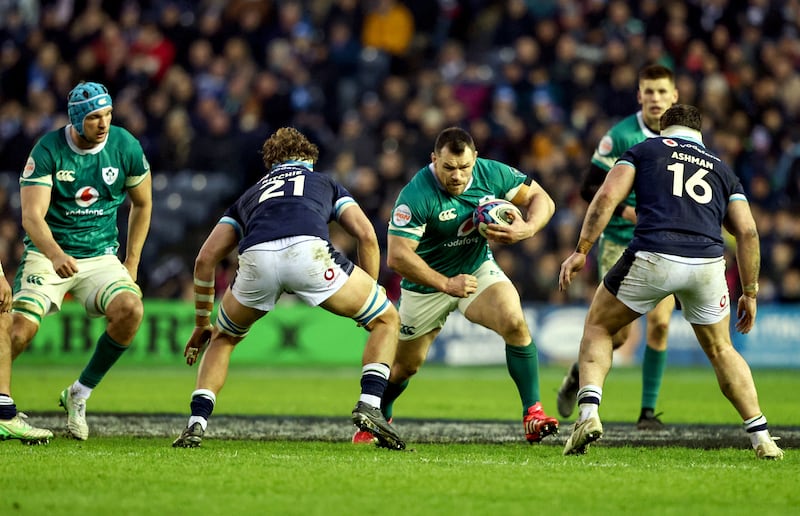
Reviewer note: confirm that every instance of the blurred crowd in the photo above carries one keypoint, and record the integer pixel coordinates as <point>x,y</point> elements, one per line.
<point>536,82</point>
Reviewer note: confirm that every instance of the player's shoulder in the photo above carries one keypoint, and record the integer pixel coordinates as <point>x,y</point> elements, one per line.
<point>420,192</point>
<point>490,164</point>
<point>627,128</point>
<point>56,137</point>
<point>121,135</point>
<point>421,182</point>
<point>489,169</point>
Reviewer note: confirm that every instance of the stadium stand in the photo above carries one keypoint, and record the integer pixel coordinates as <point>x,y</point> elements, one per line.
<point>202,83</point>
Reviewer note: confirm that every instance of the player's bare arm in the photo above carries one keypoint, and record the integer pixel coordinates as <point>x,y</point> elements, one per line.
<point>403,259</point>
<point>615,188</point>
<point>219,244</point>
<point>591,184</point>
<point>5,295</point>
<point>35,201</point>
<point>355,222</point>
<point>138,224</point>
<point>740,223</point>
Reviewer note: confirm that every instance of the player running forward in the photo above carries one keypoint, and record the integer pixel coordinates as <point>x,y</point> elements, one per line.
<point>280,226</point>
<point>446,265</point>
<point>685,194</point>
<point>73,183</point>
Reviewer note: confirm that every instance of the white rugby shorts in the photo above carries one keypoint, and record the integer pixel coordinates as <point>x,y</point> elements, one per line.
<point>643,279</point>
<point>306,266</point>
<point>421,313</point>
<point>37,277</point>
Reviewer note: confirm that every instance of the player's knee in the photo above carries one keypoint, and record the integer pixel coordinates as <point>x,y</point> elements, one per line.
<point>389,318</point>
<point>515,330</point>
<point>21,332</point>
<point>404,369</point>
<point>657,331</point>
<point>408,360</point>
<point>620,338</point>
<point>121,298</point>
<point>126,307</point>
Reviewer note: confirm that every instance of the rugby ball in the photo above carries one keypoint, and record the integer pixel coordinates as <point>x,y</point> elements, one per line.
<point>494,211</point>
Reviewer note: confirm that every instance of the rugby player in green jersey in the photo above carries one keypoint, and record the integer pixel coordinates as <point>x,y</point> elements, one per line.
<point>446,265</point>
<point>12,423</point>
<point>657,93</point>
<point>70,190</point>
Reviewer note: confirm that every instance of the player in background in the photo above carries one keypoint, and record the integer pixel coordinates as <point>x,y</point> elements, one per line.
<point>73,183</point>
<point>685,195</point>
<point>12,422</point>
<point>657,92</point>
<point>280,226</point>
<point>446,265</point>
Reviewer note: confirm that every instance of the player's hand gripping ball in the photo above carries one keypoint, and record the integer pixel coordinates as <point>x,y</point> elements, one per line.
<point>494,211</point>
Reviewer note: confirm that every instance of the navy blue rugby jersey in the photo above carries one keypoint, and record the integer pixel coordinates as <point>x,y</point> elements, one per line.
<point>682,193</point>
<point>290,200</point>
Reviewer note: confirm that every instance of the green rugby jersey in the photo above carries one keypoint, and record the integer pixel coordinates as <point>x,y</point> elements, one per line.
<point>87,187</point>
<point>622,136</point>
<point>442,224</point>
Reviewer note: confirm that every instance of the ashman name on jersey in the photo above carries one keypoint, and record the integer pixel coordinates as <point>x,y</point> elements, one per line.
<point>694,160</point>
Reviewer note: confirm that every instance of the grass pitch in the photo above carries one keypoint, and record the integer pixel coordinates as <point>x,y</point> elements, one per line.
<point>114,473</point>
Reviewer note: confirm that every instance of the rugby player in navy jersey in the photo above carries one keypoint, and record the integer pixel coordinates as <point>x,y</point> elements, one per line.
<point>280,226</point>
<point>685,195</point>
<point>656,93</point>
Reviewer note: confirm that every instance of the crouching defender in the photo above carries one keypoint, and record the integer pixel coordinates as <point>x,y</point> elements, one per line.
<point>280,225</point>
<point>685,195</point>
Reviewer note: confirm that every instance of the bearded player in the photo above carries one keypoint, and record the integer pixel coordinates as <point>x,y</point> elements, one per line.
<point>446,265</point>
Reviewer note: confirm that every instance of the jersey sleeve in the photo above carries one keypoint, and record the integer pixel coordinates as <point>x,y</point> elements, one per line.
<point>409,216</point>
<point>735,188</point>
<point>138,166</point>
<point>611,146</point>
<point>39,168</point>
<point>629,157</point>
<point>231,216</point>
<point>512,180</point>
<point>342,201</point>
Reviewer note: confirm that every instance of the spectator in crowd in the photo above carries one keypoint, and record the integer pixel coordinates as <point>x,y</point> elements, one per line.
<point>574,48</point>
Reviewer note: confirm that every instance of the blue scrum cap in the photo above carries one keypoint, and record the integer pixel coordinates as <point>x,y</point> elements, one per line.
<point>85,98</point>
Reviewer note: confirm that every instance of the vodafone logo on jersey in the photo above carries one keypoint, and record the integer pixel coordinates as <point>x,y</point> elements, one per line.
<point>669,142</point>
<point>86,196</point>
<point>466,227</point>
